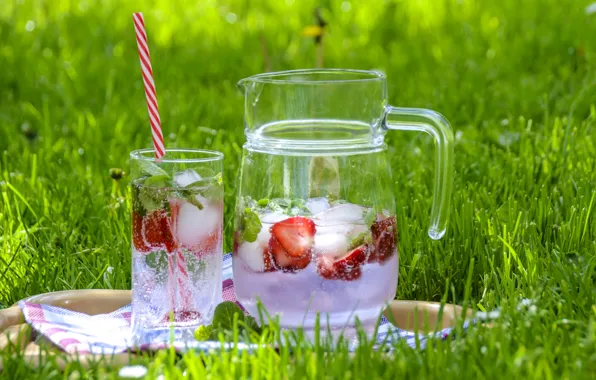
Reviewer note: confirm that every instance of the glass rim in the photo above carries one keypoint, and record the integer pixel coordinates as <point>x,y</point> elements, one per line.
<point>349,76</point>
<point>148,154</point>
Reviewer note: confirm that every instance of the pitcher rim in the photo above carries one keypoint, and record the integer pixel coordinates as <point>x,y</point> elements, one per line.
<point>272,77</point>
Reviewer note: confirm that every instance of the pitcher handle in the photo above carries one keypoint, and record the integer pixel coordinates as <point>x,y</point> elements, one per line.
<point>433,123</point>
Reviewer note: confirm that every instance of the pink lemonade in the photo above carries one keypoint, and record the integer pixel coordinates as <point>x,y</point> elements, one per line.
<point>333,262</point>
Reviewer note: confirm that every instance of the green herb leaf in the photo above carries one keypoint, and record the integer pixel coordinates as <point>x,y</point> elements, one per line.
<point>251,225</point>
<point>152,198</point>
<point>190,196</point>
<point>370,217</point>
<point>203,333</point>
<point>157,260</point>
<point>263,202</point>
<point>251,323</point>
<point>137,205</point>
<point>283,203</point>
<point>152,192</point>
<point>223,322</point>
<point>363,237</point>
<point>161,181</point>
<point>223,317</point>
<point>297,203</point>
<point>214,191</point>
<point>150,169</point>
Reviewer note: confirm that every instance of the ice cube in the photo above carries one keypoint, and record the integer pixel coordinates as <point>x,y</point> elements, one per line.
<point>264,236</point>
<point>186,177</point>
<point>252,255</point>
<point>273,217</point>
<point>343,213</point>
<point>333,244</point>
<point>317,205</point>
<point>195,227</point>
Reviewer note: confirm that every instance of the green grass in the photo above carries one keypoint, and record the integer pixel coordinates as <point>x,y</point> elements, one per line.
<point>516,80</point>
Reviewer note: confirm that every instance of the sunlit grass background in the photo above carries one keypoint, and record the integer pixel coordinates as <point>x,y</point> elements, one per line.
<point>516,80</point>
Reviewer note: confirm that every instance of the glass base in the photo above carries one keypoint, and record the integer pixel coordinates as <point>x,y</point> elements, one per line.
<point>332,326</point>
<point>164,336</point>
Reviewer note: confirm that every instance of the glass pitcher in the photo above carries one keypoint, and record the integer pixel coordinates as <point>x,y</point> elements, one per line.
<point>315,229</point>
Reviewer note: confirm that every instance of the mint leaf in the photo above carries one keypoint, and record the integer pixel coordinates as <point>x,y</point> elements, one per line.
<point>297,203</point>
<point>211,188</point>
<point>223,320</point>
<point>157,260</point>
<point>152,198</point>
<point>223,317</point>
<point>370,217</point>
<point>223,323</point>
<point>214,191</point>
<point>161,180</point>
<point>190,196</point>
<point>263,202</point>
<point>203,333</point>
<point>251,225</point>
<point>150,169</point>
<point>150,193</point>
<point>194,267</point>
<point>283,203</point>
<point>137,205</point>
<point>251,323</point>
<point>363,237</point>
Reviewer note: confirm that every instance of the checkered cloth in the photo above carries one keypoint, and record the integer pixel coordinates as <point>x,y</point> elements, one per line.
<point>111,333</point>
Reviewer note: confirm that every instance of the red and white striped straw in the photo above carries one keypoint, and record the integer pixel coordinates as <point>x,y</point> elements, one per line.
<point>150,94</point>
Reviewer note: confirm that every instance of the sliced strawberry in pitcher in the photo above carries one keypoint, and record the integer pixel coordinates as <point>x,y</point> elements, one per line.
<point>346,267</point>
<point>295,235</point>
<point>325,267</point>
<point>384,233</point>
<point>352,259</point>
<point>291,243</point>
<point>283,260</point>
<point>268,261</point>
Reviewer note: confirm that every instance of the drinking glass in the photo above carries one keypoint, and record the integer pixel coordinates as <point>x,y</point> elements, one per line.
<point>177,219</point>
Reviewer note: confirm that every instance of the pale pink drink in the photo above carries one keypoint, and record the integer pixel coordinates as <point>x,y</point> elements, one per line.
<point>331,263</point>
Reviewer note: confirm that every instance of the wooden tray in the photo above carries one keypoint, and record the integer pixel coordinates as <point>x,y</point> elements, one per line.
<point>415,316</point>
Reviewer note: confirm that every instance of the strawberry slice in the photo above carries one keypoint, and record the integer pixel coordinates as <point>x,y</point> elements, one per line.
<point>268,261</point>
<point>156,232</point>
<point>295,235</point>
<point>283,260</point>
<point>384,233</point>
<point>346,267</point>
<point>137,233</point>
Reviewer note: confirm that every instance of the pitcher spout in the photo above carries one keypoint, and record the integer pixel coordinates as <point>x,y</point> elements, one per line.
<point>242,83</point>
